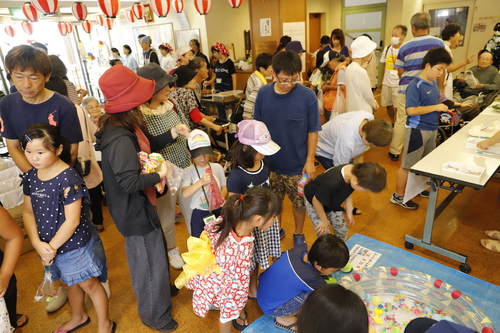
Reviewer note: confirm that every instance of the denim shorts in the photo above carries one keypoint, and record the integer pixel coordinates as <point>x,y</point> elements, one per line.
<point>76,266</point>
<point>291,306</point>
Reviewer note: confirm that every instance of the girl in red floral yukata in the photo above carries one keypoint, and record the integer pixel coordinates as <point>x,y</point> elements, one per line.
<point>226,286</point>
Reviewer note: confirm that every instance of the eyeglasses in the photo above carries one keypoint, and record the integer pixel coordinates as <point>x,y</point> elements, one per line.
<point>288,82</point>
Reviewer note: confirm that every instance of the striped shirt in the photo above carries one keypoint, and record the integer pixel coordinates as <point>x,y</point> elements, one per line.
<point>410,57</point>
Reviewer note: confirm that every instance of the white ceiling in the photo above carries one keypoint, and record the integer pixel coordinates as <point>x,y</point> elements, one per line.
<point>64,7</point>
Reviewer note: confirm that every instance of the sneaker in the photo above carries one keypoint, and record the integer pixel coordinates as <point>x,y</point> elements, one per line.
<point>173,290</point>
<point>99,227</point>
<point>398,200</point>
<point>299,240</point>
<point>57,303</point>
<point>393,157</point>
<point>105,285</point>
<point>171,326</point>
<point>175,258</point>
<point>424,194</point>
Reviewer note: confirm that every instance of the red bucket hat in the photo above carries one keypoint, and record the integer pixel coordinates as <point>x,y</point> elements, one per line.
<point>221,48</point>
<point>124,90</point>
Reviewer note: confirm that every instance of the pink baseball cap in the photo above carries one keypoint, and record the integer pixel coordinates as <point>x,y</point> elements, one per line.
<point>255,133</point>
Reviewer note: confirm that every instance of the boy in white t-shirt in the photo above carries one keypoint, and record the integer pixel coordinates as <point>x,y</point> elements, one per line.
<point>390,83</point>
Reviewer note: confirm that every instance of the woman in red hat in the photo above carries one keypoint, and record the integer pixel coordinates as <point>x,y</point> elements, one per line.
<point>131,195</point>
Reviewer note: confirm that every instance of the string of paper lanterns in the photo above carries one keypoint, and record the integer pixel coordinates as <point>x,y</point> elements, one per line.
<point>79,11</point>
<point>178,5</point>
<point>30,12</point>
<point>130,16</point>
<point>87,26</point>
<point>110,8</point>
<point>202,6</point>
<point>27,27</point>
<point>160,7</point>
<point>47,7</point>
<point>138,10</point>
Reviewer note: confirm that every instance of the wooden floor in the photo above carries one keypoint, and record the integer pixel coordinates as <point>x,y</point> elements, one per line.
<point>460,227</point>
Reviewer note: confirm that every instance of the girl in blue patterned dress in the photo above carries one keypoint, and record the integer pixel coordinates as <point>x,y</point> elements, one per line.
<point>58,227</point>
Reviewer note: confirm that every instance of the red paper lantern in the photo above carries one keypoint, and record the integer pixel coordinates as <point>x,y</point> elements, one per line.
<point>87,26</point>
<point>109,23</point>
<point>69,27</point>
<point>110,8</point>
<point>235,3</point>
<point>130,16</point>
<point>178,5</point>
<point>79,11</point>
<point>10,31</point>
<point>160,7</point>
<point>27,27</point>
<point>30,12</point>
<point>138,10</point>
<point>202,6</point>
<point>47,7</point>
<point>62,27</point>
<point>100,20</point>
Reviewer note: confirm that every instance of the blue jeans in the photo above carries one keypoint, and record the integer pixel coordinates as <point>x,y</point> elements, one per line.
<point>149,272</point>
<point>327,163</point>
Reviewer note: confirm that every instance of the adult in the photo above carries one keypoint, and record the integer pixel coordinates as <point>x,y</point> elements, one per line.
<point>290,112</point>
<point>347,136</point>
<point>264,68</point>
<point>337,43</point>
<point>60,70</point>
<point>409,63</point>
<point>371,67</point>
<point>93,108</point>
<point>160,115</point>
<point>390,81</point>
<point>336,63</point>
<point>115,54</point>
<point>195,46</point>
<point>200,66</point>
<point>493,46</point>
<point>128,60</point>
<point>30,69</point>
<point>225,74</point>
<point>487,75</point>
<point>148,53</point>
<point>282,43</point>
<point>132,195</point>
<point>184,55</point>
<point>295,46</point>
<point>167,60</point>
<point>452,38</point>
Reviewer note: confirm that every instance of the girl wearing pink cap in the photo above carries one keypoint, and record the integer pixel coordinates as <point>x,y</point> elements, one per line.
<point>246,155</point>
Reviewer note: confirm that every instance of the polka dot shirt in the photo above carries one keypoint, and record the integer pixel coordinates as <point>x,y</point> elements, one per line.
<point>48,201</point>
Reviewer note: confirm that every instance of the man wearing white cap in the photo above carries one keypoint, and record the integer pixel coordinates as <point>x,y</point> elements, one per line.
<point>359,93</point>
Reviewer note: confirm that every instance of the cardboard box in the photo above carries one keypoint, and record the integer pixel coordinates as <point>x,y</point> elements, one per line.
<point>460,171</point>
<point>17,215</point>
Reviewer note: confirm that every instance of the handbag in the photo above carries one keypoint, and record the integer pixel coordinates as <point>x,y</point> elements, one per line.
<point>82,166</point>
<point>237,115</point>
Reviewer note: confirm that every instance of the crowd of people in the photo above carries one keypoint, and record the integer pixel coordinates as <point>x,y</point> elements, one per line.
<point>70,153</point>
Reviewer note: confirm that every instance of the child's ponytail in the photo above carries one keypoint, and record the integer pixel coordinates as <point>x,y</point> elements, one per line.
<point>239,207</point>
<point>52,139</point>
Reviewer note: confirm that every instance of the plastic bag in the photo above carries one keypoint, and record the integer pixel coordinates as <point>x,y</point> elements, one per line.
<point>320,101</point>
<point>215,199</point>
<point>152,163</point>
<point>199,260</point>
<point>316,79</point>
<point>47,290</point>
<point>470,79</point>
<point>339,105</point>
<point>174,177</point>
<point>4,318</point>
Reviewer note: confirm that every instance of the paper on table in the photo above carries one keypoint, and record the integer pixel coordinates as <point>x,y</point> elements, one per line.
<point>361,257</point>
<point>415,185</point>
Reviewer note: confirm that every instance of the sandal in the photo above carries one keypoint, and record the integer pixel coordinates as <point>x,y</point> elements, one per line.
<point>493,234</point>
<point>492,245</point>
<point>239,326</point>
<point>59,330</point>
<point>113,328</point>
<point>356,211</point>
<point>289,328</point>
<point>21,320</point>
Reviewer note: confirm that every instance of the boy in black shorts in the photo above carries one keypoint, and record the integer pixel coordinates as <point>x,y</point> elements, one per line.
<point>422,107</point>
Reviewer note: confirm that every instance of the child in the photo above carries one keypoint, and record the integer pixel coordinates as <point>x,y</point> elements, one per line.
<point>326,193</point>
<point>232,245</point>
<point>167,60</point>
<point>333,308</point>
<point>13,236</point>
<point>263,64</point>
<point>63,240</point>
<point>359,93</point>
<point>196,178</point>
<point>337,65</point>
<point>246,155</point>
<point>285,285</point>
<point>422,107</point>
